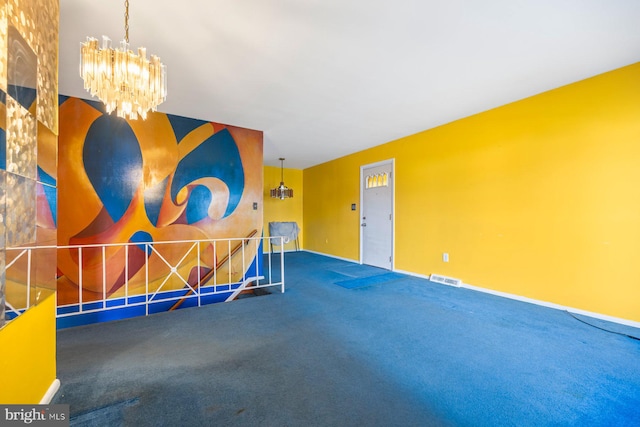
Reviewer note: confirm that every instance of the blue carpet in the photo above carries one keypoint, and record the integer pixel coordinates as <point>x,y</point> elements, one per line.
<point>406,353</point>
<point>110,415</point>
<point>330,276</point>
<point>358,270</point>
<point>362,282</point>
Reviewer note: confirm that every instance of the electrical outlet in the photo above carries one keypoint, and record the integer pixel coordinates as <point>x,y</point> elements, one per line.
<point>445,257</point>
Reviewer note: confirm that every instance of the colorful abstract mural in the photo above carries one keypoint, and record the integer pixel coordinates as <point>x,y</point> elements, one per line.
<point>165,179</point>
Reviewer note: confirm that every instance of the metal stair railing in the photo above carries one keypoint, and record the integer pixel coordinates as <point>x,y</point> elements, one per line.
<point>211,273</point>
<point>155,283</point>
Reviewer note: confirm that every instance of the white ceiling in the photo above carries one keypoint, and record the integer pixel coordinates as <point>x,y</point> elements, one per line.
<point>325,78</point>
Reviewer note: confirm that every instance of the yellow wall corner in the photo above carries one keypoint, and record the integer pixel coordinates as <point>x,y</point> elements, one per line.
<point>28,362</point>
<point>283,210</point>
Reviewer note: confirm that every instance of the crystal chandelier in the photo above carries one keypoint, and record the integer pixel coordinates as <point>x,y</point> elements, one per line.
<point>124,81</point>
<point>281,192</point>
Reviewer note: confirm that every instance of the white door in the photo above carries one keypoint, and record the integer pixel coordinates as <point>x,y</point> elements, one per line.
<point>376,219</point>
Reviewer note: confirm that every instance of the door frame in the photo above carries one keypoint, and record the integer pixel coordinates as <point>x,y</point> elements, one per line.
<point>392,162</point>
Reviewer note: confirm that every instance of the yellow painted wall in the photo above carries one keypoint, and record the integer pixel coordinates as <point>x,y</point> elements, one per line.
<point>539,198</point>
<point>287,209</point>
<point>28,361</point>
<point>330,226</point>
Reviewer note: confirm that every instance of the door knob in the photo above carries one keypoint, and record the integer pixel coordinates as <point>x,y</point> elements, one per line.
<point>364,224</point>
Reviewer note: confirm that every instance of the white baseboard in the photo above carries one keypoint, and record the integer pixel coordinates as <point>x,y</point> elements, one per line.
<point>537,302</point>
<point>53,389</point>
<point>555,306</point>
<point>331,256</point>
<point>409,273</point>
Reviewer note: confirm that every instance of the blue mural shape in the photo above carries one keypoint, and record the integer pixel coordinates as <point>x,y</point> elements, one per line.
<point>50,192</point>
<point>153,198</point>
<point>45,178</point>
<point>98,105</point>
<point>183,125</point>
<point>216,157</point>
<point>113,163</point>
<point>199,201</point>
<point>25,96</point>
<point>142,237</point>
<point>51,195</point>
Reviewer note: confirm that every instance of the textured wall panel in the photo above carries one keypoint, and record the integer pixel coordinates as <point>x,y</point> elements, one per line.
<point>28,107</point>
<point>47,155</point>
<point>43,274</point>
<point>21,140</point>
<point>20,218</point>
<point>22,69</point>
<point>3,133</point>
<point>3,45</point>
<point>22,15</point>
<point>47,35</point>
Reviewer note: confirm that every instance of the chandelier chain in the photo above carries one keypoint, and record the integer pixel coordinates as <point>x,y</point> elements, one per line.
<point>126,21</point>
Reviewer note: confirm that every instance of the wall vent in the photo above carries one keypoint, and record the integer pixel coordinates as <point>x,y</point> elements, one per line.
<point>445,280</point>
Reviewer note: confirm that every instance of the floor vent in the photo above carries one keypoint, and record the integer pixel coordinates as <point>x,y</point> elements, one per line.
<point>445,280</point>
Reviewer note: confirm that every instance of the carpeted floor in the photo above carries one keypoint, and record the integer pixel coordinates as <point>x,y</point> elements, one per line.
<point>391,351</point>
